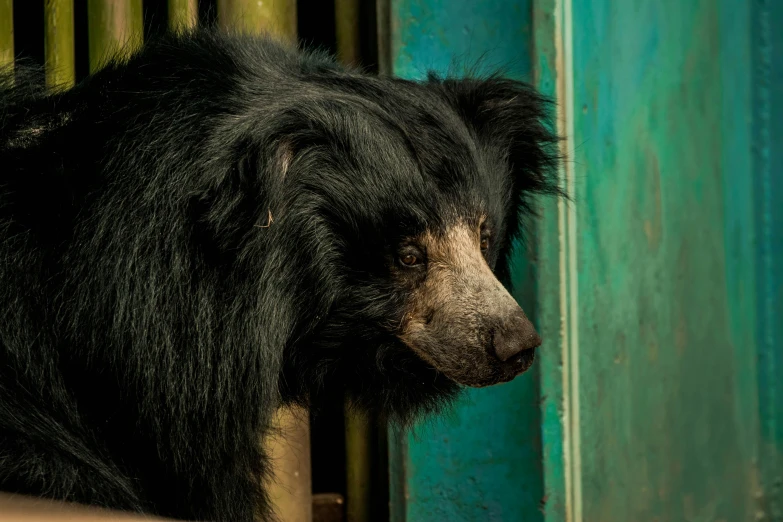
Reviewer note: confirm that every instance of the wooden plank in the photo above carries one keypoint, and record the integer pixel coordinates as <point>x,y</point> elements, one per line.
<point>6,33</point>
<point>328,507</point>
<point>482,461</point>
<point>183,14</point>
<point>115,29</point>
<point>660,394</point>
<point>59,44</point>
<point>277,17</point>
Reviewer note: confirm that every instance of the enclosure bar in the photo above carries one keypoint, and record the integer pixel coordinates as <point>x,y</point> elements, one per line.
<point>183,14</point>
<point>6,32</point>
<point>59,44</point>
<point>384,35</point>
<point>276,17</point>
<point>115,29</point>
<point>288,448</point>
<point>290,487</point>
<point>358,480</point>
<point>346,17</point>
<point>358,435</point>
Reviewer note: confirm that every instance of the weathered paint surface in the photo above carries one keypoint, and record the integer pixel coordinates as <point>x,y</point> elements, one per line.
<point>452,35</point>
<point>483,461</point>
<point>662,282</point>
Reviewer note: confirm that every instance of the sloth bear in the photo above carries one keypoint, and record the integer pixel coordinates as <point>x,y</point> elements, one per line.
<point>219,225</point>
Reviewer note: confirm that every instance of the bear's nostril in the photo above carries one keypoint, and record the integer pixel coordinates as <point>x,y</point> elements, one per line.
<point>506,346</point>
<point>509,343</point>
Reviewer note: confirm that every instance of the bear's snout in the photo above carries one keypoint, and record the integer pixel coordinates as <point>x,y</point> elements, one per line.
<point>463,321</point>
<point>514,337</point>
<point>514,345</point>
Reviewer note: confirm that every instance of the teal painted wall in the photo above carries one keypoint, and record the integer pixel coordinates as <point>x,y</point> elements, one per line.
<point>659,290</point>
<point>483,461</point>
<point>448,35</point>
<point>661,283</point>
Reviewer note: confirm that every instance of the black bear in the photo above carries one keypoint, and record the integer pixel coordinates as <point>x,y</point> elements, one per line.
<point>218,225</point>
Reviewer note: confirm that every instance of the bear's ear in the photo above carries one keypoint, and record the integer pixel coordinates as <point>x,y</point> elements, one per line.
<point>510,121</point>
<point>511,118</point>
<point>238,196</point>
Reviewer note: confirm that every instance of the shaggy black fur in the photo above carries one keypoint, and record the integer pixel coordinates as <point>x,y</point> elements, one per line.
<point>195,235</point>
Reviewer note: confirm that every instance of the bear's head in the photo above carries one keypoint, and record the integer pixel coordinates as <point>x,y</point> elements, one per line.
<point>415,197</point>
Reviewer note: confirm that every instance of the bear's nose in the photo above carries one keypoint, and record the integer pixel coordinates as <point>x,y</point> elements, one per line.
<point>516,335</point>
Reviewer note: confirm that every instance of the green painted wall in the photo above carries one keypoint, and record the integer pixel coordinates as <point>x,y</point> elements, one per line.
<point>661,282</point>
<point>482,462</point>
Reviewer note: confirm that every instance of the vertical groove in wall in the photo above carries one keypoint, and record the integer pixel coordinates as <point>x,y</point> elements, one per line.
<point>561,233</point>
<point>569,299</point>
<point>767,81</point>
<point>573,281</point>
<point>398,464</point>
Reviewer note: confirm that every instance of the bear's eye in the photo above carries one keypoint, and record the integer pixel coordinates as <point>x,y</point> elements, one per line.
<point>484,244</point>
<point>411,257</point>
<point>409,260</point>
